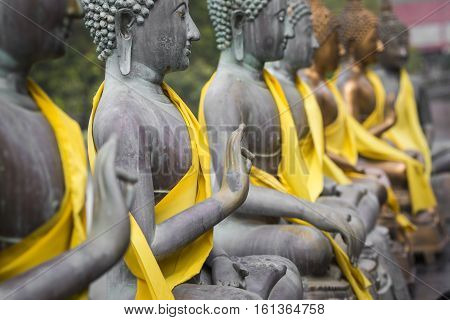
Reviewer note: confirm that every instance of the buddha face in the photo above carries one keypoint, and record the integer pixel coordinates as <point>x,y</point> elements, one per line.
<point>163,42</point>
<point>35,30</point>
<point>300,50</point>
<point>327,56</point>
<point>366,51</point>
<point>266,37</point>
<point>396,53</point>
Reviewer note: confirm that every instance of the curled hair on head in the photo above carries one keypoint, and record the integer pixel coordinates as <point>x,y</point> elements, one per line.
<point>297,9</point>
<point>390,26</point>
<point>355,22</point>
<point>220,13</point>
<point>324,21</point>
<point>100,20</point>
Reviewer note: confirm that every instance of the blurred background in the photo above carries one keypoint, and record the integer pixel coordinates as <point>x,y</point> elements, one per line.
<point>72,81</point>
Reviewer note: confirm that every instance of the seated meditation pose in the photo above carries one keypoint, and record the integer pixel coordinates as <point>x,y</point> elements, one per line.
<point>278,216</point>
<point>360,88</point>
<point>44,250</point>
<point>345,139</point>
<point>412,132</point>
<point>174,212</point>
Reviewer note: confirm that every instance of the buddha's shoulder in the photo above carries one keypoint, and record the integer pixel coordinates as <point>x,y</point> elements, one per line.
<point>227,89</point>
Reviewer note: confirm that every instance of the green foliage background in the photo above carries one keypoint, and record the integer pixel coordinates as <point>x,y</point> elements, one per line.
<point>72,80</point>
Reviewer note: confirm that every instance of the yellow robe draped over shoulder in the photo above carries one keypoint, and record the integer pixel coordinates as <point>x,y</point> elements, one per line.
<point>66,229</point>
<point>155,280</point>
<point>418,175</point>
<point>294,179</point>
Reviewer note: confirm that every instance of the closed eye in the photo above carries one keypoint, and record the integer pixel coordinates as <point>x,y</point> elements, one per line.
<point>281,15</point>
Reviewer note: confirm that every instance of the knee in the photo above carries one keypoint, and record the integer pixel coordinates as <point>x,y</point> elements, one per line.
<point>310,250</point>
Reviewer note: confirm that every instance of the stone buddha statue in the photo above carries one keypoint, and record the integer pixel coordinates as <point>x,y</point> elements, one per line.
<point>43,252</point>
<point>174,211</point>
<point>363,92</point>
<point>412,132</point>
<point>272,220</point>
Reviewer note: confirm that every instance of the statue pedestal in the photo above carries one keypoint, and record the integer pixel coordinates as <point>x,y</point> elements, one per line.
<point>331,286</point>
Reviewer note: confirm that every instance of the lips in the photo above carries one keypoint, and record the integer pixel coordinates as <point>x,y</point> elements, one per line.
<point>188,49</point>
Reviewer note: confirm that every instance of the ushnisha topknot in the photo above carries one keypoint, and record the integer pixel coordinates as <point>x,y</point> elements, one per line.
<point>355,22</point>
<point>100,20</point>
<point>324,21</point>
<point>390,26</point>
<point>220,12</point>
<point>297,9</point>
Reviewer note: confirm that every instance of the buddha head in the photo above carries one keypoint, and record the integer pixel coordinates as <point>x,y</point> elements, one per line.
<point>358,32</point>
<point>256,28</point>
<point>35,30</point>
<point>395,37</point>
<point>155,33</point>
<point>300,50</point>
<point>326,28</point>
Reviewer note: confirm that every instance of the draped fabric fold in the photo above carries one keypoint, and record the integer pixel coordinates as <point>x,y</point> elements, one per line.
<point>418,175</point>
<point>156,279</point>
<point>294,178</point>
<point>66,229</point>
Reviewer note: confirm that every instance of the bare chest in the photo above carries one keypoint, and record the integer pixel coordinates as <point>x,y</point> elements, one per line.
<point>165,147</point>
<point>263,128</point>
<point>365,99</point>
<point>31,174</point>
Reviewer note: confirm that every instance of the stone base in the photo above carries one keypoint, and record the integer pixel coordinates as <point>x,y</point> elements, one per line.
<point>329,287</point>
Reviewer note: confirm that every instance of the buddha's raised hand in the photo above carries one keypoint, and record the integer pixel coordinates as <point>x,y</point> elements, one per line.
<point>238,162</point>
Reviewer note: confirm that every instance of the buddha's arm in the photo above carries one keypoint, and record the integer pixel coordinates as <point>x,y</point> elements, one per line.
<point>343,163</point>
<point>349,92</point>
<point>389,120</point>
<point>72,272</point>
<point>381,128</point>
<point>424,110</point>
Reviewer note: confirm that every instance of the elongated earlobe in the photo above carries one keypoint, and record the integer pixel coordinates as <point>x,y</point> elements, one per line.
<point>124,22</point>
<point>237,21</point>
<point>125,54</point>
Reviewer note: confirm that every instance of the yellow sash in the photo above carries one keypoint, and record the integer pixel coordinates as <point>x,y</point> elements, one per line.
<point>293,179</point>
<point>340,139</point>
<point>422,196</point>
<point>156,280</point>
<point>407,133</point>
<point>66,229</point>
<point>377,115</point>
<point>312,146</point>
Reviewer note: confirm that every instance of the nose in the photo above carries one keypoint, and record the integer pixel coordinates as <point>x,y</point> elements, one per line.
<point>403,52</point>
<point>342,50</point>
<point>289,32</point>
<point>315,43</point>
<point>380,46</point>
<point>192,29</point>
<point>74,9</point>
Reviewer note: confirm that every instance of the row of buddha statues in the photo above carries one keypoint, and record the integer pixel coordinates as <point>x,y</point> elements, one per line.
<point>306,175</point>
